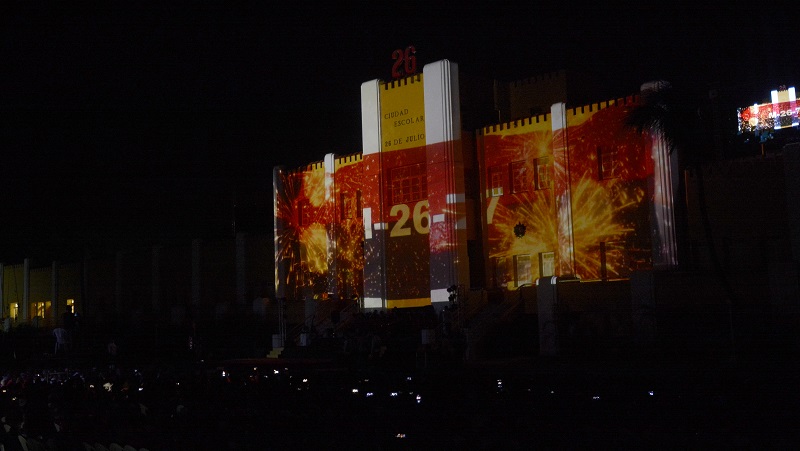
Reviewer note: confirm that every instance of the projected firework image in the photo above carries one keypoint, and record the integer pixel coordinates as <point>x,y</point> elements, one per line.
<point>568,193</point>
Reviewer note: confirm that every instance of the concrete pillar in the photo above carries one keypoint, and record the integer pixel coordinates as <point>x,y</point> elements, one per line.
<point>375,234</point>
<point>447,214</point>
<point>643,307</point>
<point>547,300</point>
<point>663,190</point>
<point>562,190</point>
<point>332,220</point>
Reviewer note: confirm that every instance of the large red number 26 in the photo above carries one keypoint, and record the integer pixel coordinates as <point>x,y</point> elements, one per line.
<point>405,63</point>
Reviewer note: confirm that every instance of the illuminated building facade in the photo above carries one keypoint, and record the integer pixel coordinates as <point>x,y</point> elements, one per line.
<point>433,202</point>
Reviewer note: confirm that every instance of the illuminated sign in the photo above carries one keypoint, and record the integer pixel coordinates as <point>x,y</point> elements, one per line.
<point>405,192</point>
<point>782,112</point>
<point>403,114</point>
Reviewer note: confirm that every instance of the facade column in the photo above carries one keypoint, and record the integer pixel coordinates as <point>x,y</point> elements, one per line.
<point>374,229</point>
<point>332,218</point>
<point>547,304</point>
<point>283,256</point>
<point>663,190</point>
<point>449,262</point>
<point>562,185</point>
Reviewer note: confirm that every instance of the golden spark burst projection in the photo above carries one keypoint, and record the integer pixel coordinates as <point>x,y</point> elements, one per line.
<point>592,208</point>
<point>287,220</point>
<point>600,213</point>
<point>533,210</point>
<point>300,236</point>
<point>314,248</point>
<point>605,209</point>
<point>350,257</point>
<point>519,151</point>
<point>314,187</point>
<point>347,230</point>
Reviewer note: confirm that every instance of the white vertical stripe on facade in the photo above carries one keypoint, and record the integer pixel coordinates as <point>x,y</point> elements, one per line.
<point>331,238</point>
<point>558,118</point>
<point>367,223</point>
<point>442,104</point>
<point>455,198</point>
<point>566,235</point>
<point>370,117</point>
<point>373,303</point>
<point>330,167</point>
<point>665,173</point>
<point>440,295</point>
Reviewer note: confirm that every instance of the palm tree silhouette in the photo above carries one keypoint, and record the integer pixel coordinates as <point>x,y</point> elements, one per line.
<point>685,121</point>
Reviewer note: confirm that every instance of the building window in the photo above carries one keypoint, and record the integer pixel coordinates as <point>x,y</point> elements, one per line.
<point>497,178</point>
<point>14,311</point>
<point>500,272</point>
<point>519,177</point>
<point>547,264</point>
<point>522,269</point>
<point>608,163</point>
<point>304,217</point>
<point>409,184</point>
<point>39,308</point>
<point>612,260</point>
<point>347,206</point>
<point>542,166</point>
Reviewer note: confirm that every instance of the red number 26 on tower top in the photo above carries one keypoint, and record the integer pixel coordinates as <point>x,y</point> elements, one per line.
<point>405,63</point>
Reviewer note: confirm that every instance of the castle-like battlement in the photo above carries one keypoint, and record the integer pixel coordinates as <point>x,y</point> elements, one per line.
<point>402,82</point>
<point>619,102</point>
<point>547,77</point>
<point>539,118</point>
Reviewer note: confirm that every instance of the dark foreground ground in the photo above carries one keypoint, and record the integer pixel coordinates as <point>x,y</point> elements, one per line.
<point>518,403</point>
<point>526,404</point>
<point>157,395</point>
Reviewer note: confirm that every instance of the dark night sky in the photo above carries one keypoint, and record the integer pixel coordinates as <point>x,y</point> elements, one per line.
<point>133,124</point>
